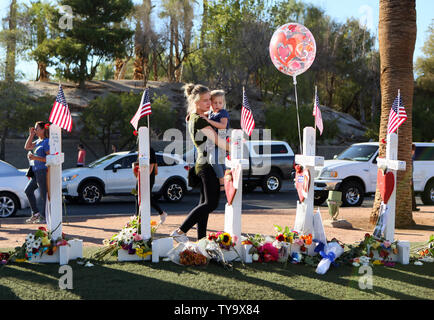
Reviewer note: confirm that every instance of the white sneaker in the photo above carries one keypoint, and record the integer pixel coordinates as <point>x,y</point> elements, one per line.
<point>33,218</point>
<point>179,237</point>
<point>163,217</point>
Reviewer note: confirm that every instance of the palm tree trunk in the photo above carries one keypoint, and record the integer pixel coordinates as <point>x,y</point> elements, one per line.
<point>397,36</point>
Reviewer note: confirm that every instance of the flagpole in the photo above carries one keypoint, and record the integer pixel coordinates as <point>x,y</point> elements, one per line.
<point>399,98</point>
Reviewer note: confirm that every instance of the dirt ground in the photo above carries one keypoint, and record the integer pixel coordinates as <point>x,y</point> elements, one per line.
<point>93,230</point>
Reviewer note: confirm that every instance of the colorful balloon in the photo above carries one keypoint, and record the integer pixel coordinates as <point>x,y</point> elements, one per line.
<point>292,49</point>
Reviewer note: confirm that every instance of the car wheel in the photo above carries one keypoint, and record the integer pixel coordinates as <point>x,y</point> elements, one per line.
<point>8,204</point>
<point>428,194</point>
<point>352,194</point>
<point>90,193</point>
<point>319,197</point>
<point>272,183</point>
<point>174,191</point>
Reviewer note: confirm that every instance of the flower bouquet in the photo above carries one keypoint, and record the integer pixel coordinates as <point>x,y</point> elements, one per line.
<point>128,239</point>
<point>189,254</point>
<point>293,240</point>
<point>425,252</point>
<point>379,249</point>
<point>221,245</point>
<point>38,244</point>
<point>331,252</point>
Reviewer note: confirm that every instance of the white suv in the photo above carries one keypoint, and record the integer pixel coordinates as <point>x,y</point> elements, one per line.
<point>354,172</point>
<point>113,175</point>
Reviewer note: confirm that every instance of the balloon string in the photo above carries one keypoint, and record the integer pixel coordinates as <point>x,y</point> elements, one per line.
<point>298,117</point>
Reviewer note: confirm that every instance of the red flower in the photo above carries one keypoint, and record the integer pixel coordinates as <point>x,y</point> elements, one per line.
<point>367,235</point>
<point>42,228</point>
<point>280,237</point>
<point>303,249</point>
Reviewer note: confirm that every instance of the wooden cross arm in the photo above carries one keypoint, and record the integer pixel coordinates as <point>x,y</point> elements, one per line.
<point>55,159</point>
<point>391,164</point>
<point>312,161</point>
<point>233,163</point>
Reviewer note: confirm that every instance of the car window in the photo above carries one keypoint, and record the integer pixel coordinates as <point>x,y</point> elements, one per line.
<point>424,154</point>
<point>102,160</point>
<point>275,149</point>
<point>358,153</point>
<point>125,162</point>
<point>6,168</point>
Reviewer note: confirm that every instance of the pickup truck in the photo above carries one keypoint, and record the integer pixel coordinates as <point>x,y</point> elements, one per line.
<point>354,173</point>
<point>270,162</point>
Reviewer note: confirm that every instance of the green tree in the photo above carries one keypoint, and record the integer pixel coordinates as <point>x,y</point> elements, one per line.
<point>95,36</point>
<point>108,118</point>
<point>425,65</point>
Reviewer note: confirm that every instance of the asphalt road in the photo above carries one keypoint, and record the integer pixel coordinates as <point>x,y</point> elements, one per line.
<point>285,199</point>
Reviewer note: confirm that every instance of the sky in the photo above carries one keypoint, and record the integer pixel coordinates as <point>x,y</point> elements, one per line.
<point>366,11</point>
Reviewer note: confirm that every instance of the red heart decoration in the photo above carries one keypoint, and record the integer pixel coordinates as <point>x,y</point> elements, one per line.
<point>284,52</point>
<point>285,48</point>
<point>229,186</point>
<point>302,182</point>
<point>386,184</point>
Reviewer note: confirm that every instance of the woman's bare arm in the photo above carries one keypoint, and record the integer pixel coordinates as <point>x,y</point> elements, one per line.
<point>212,135</point>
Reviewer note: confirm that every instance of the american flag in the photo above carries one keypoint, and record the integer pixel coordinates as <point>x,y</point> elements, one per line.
<point>317,114</point>
<point>144,109</point>
<point>247,121</point>
<point>60,114</point>
<point>397,115</point>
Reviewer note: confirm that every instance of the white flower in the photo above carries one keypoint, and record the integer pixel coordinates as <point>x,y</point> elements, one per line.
<point>37,243</point>
<point>255,257</point>
<point>418,263</point>
<point>356,264</point>
<point>30,238</point>
<point>277,244</point>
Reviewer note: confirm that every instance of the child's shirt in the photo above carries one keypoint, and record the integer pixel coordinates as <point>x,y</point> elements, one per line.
<point>218,116</point>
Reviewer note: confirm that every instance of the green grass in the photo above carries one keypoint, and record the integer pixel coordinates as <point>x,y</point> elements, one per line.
<point>166,280</point>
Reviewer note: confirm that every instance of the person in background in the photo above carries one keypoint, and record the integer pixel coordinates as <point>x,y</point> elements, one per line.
<point>114,148</point>
<point>40,149</point>
<point>153,171</point>
<point>413,197</point>
<point>81,156</point>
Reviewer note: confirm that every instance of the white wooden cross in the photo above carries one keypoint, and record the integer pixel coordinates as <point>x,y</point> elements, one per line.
<point>145,192</point>
<point>54,161</point>
<point>391,163</point>
<point>304,215</point>
<point>233,212</point>
<point>160,247</point>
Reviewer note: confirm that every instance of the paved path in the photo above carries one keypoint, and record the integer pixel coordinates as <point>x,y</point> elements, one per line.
<point>94,229</point>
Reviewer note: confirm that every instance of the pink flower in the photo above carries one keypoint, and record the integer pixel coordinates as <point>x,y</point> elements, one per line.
<point>137,237</point>
<point>386,244</point>
<point>299,242</point>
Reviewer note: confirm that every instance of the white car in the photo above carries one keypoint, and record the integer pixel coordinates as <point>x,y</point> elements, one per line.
<point>354,172</point>
<point>12,184</point>
<point>113,175</point>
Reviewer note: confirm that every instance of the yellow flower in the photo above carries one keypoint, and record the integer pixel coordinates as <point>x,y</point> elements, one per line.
<point>226,239</point>
<point>139,251</point>
<point>20,260</point>
<point>375,245</point>
<point>377,262</point>
<point>46,241</point>
<point>153,223</point>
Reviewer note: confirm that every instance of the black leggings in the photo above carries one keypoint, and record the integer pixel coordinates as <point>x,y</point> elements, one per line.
<point>154,202</point>
<point>209,200</point>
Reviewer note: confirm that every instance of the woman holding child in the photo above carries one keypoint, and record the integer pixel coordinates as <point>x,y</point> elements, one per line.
<point>199,102</point>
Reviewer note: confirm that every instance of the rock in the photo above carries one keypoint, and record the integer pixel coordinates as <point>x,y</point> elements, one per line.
<point>340,223</point>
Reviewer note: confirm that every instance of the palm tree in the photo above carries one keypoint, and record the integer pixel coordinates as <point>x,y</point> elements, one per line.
<point>397,36</point>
